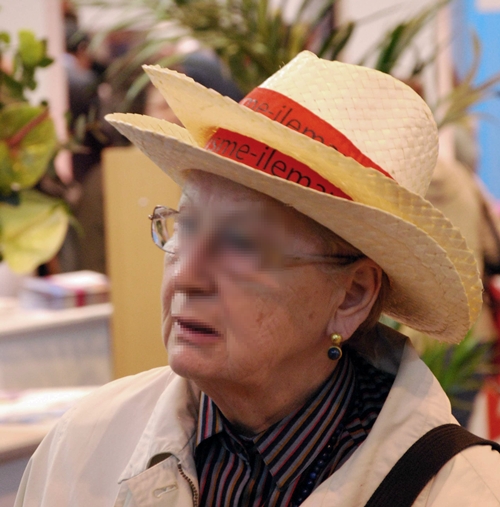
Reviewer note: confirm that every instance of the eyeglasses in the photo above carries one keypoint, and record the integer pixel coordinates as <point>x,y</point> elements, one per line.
<point>240,244</point>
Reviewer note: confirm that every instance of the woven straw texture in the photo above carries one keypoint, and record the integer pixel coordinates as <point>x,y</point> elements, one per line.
<point>435,286</point>
<point>383,117</point>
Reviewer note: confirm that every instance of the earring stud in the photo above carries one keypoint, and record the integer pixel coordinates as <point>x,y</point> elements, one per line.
<point>335,352</point>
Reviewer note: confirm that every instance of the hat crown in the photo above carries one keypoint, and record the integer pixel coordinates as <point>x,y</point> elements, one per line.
<point>384,118</point>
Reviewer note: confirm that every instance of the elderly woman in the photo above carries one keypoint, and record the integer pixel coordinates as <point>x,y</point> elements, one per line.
<point>301,220</point>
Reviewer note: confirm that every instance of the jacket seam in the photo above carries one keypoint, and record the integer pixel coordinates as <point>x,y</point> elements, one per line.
<point>479,476</point>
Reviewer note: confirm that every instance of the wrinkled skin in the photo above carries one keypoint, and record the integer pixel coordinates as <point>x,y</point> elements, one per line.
<point>269,352</point>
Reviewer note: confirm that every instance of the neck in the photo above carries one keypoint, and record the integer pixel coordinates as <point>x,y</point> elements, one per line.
<point>254,407</point>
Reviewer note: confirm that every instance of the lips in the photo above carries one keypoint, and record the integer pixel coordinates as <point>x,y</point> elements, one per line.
<point>196,327</point>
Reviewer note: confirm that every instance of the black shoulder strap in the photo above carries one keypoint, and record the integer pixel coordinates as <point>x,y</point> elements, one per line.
<point>421,462</point>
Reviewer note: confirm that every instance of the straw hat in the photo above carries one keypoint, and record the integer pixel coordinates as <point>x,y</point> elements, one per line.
<point>348,146</point>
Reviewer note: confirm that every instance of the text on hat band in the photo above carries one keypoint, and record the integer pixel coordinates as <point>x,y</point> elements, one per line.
<point>291,114</point>
<point>257,155</point>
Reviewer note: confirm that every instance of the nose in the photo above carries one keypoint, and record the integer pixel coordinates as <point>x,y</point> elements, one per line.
<point>192,273</point>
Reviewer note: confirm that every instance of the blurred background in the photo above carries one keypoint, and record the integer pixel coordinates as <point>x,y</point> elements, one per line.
<point>80,277</point>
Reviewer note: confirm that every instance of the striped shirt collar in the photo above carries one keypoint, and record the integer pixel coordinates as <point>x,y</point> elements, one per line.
<point>289,446</point>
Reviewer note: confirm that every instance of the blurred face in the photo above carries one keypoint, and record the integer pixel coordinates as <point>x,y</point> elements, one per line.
<point>230,313</point>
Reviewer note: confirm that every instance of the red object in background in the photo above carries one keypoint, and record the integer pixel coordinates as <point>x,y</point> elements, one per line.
<point>65,290</point>
<point>492,388</point>
<point>494,296</point>
<point>493,409</point>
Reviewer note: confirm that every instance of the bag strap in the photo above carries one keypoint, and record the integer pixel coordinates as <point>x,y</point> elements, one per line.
<point>421,462</point>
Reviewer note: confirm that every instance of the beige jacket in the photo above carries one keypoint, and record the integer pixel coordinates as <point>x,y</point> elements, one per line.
<point>99,453</point>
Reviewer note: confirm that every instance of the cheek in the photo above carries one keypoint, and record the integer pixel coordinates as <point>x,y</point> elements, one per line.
<point>310,305</point>
<point>245,311</point>
<point>256,319</point>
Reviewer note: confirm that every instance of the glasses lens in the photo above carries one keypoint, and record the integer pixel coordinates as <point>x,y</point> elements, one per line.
<point>240,244</point>
<point>163,227</point>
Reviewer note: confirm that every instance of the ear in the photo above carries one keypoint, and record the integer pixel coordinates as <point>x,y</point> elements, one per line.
<point>362,286</point>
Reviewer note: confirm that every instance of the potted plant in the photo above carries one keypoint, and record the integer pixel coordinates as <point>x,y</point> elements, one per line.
<point>32,225</point>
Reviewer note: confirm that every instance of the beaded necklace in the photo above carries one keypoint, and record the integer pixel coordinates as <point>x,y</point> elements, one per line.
<point>309,481</point>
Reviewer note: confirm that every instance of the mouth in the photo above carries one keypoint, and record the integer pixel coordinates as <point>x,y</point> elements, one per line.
<point>196,327</point>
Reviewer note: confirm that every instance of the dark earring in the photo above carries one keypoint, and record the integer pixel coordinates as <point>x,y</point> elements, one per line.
<point>335,352</point>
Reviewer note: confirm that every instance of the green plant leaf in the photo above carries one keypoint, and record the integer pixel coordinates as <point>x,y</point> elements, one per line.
<point>400,38</point>
<point>5,37</point>
<point>33,232</point>
<point>458,368</point>
<point>45,62</point>
<point>457,104</point>
<point>23,162</point>
<point>334,43</point>
<point>31,50</point>
<point>251,37</point>
<point>12,90</point>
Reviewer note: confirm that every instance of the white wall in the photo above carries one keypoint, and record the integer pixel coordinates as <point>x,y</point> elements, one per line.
<point>375,18</point>
<point>44,17</point>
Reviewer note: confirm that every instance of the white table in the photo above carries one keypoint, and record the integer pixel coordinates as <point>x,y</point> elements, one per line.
<point>46,349</point>
<point>55,348</point>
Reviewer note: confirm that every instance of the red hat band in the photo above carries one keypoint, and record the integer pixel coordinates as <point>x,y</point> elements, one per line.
<point>264,158</point>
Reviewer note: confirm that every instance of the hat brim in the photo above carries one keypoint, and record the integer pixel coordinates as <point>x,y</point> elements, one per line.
<point>202,111</point>
<point>422,269</point>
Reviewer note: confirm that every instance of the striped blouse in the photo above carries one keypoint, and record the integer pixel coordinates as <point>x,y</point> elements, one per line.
<point>283,464</point>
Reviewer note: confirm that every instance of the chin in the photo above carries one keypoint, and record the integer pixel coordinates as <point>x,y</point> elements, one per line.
<point>186,361</point>
<point>181,370</point>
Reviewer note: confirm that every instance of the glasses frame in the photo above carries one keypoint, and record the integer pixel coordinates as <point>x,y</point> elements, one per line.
<point>285,260</point>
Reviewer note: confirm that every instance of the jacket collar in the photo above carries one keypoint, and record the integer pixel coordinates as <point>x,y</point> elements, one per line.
<point>416,404</point>
<point>171,429</point>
